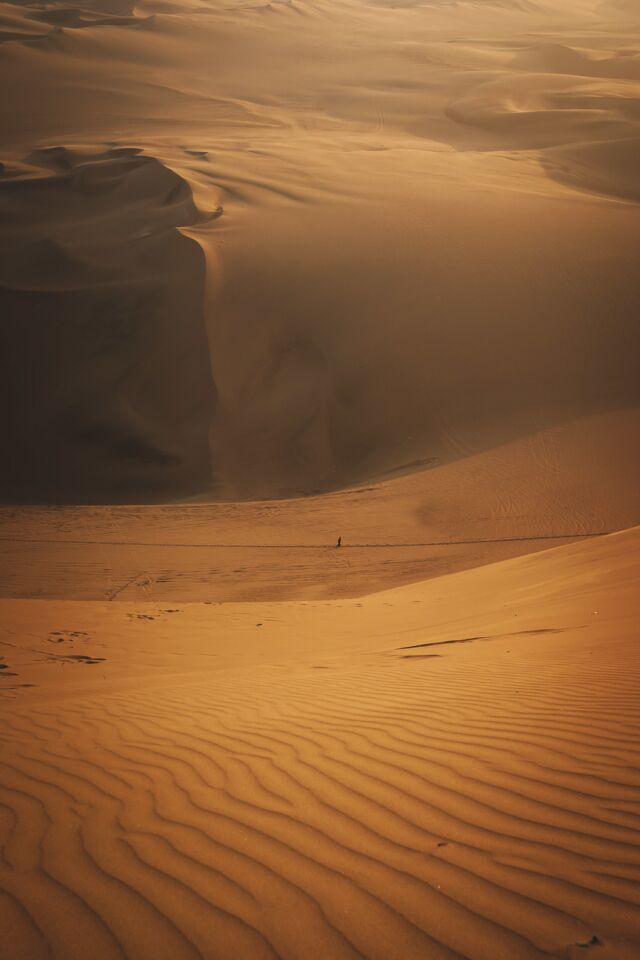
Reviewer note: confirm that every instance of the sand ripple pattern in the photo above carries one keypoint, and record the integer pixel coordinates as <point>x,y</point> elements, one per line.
<point>417,807</point>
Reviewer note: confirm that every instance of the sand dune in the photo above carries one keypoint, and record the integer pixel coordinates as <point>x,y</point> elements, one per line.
<point>577,480</point>
<point>94,276</point>
<point>417,237</point>
<point>34,22</point>
<point>579,61</point>
<point>608,168</point>
<point>394,776</point>
<point>274,273</point>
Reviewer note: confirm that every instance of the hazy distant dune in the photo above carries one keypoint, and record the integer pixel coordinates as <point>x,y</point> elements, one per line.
<point>417,260</point>
<point>34,20</point>
<point>612,167</point>
<point>580,61</point>
<point>19,25</point>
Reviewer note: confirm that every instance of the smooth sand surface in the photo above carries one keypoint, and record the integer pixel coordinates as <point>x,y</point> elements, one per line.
<point>445,770</point>
<point>575,480</point>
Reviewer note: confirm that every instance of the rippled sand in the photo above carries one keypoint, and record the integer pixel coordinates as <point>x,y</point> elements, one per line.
<point>436,771</point>
<point>272,274</point>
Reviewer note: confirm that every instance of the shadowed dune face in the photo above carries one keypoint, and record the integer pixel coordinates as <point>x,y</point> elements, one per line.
<point>106,390</point>
<point>610,167</point>
<point>425,248</point>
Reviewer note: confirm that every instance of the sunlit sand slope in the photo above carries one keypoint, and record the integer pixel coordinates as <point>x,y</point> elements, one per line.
<point>577,480</point>
<point>442,771</point>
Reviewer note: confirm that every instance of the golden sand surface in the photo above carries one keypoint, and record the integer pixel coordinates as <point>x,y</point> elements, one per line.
<point>274,273</point>
<point>448,769</point>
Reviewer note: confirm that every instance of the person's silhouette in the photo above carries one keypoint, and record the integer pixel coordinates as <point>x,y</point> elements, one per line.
<point>339,543</point>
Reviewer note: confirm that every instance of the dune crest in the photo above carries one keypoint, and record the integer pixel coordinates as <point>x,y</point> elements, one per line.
<point>24,21</point>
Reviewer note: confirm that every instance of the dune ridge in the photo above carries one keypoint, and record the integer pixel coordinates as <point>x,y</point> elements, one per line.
<point>24,21</point>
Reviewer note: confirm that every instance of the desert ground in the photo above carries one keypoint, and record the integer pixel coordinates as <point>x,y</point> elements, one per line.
<point>274,274</point>
<point>447,769</point>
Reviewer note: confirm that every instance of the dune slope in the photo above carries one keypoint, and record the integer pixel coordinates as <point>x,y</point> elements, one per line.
<point>440,771</point>
<point>105,388</point>
<point>319,268</point>
<point>577,480</point>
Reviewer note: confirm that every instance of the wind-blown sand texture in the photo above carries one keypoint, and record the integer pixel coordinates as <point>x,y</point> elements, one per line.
<point>446,770</point>
<point>270,274</point>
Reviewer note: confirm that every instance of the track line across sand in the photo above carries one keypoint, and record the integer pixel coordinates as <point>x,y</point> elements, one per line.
<point>315,546</point>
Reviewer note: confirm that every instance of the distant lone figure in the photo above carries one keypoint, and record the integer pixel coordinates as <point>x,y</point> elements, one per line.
<point>339,543</point>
